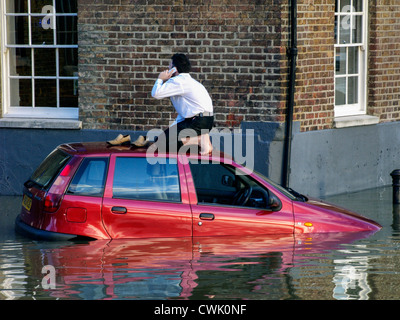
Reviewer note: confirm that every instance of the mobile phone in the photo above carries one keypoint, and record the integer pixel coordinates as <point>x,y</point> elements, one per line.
<point>173,70</point>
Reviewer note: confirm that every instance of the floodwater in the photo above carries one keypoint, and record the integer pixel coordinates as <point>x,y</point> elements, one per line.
<point>353,266</point>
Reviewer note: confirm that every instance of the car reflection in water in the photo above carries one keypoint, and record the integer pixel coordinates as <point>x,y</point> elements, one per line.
<point>253,267</point>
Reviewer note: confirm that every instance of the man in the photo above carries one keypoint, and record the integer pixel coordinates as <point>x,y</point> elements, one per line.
<point>191,101</point>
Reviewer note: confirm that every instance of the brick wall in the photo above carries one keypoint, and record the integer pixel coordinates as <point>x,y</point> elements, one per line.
<point>384,60</point>
<point>235,48</point>
<point>314,97</point>
<point>238,50</point>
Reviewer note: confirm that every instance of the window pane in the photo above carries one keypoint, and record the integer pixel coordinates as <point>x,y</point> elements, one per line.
<point>136,178</point>
<point>21,92</point>
<point>357,5</point>
<point>68,62</point>
<point>340,91</point>
<point>336,29</point>
<point>17,30</point>
<point>90,178</point>
<point>66,6</point>
<point>20,62</point>
<point>17,6</point>
<point>40,35</point>
<point>68,93</point>
<point>340,60</point>
<point>353,60</point>
<point>67,30</point>
<point>353,90</point>
<point>214,183</point>
<point>37,5</point>
<point>344,35</point>
<point>357,29</point>
<point>45,93</point>
<point>344,5</point>
<point>45,62</point>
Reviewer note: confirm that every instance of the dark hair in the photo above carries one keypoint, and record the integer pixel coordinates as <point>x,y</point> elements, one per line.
<point>181,62</point>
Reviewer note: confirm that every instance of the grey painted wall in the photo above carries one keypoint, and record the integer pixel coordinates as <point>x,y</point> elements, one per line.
<point>22,150</point>
<point>343,160</point>
<point>323,162</point>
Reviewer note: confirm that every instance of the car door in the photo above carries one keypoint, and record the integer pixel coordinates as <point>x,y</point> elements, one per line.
<point>218,201</point>
<point>81,205</point>
<point>145,198</point>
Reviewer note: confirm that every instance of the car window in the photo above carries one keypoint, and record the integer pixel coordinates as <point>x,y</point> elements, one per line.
<point>218,183</point>
<point>138,179</point>
<point>49,169</point>
<point>90,178</point>
<point>210,185</point>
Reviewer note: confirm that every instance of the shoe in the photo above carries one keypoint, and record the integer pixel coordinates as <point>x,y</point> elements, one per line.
<point>141,141</point>
<point>121,139</point>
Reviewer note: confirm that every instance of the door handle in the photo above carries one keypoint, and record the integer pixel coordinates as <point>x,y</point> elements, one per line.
<point>119,210</point>
<point>206,216</point>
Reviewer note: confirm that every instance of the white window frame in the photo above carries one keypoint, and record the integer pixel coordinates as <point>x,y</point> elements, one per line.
<point>358,108</point>
<point>32,111</point>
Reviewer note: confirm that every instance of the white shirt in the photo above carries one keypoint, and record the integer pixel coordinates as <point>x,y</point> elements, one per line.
<point>188,96</point>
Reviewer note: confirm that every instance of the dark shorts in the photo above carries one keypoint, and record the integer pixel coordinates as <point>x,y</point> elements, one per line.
<point>196,124</point>
<point>190,127</point>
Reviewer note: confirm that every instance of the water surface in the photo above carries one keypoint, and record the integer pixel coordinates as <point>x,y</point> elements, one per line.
<point>352,266</point>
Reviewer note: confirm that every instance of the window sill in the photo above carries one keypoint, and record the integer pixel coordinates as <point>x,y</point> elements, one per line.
<point>354,121</point>
<point>40,123</point>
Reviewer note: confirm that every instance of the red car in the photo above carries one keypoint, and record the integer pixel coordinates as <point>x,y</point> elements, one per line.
<point>108,192</point>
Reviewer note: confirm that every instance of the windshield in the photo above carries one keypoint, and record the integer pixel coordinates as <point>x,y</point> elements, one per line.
<point>50,168</point>
<point>290,193</point>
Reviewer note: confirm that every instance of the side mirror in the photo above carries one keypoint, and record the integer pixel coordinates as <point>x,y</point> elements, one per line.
<point>274,203</point>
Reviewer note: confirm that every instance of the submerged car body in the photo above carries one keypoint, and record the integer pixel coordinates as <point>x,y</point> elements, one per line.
<point>97,191</point>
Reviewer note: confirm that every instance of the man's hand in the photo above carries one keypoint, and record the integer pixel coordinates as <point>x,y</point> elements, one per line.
<point>165,75</point>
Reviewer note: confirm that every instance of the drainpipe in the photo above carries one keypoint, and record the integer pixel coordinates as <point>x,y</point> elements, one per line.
<point>292,55</point>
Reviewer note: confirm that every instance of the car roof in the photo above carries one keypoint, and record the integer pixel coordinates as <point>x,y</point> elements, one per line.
<point>103,148</point>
